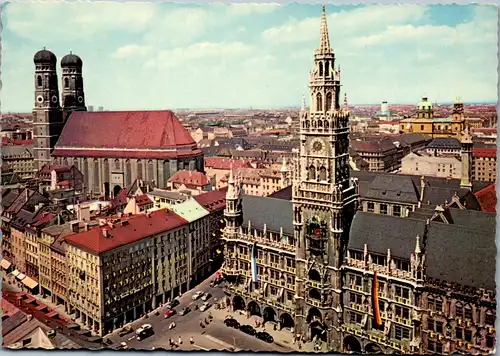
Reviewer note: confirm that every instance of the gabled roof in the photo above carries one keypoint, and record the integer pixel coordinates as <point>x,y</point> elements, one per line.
<point>59,168</point>
<point>142,200</point>
<point>485,152</point>
<point>213,200</point>
<point>191,178</point>
<point>136,228</point>
<point>226,163</point>
<point>274,213</point>
<point>125,134</point>
<point>487,198</point>
<point>190,210</point>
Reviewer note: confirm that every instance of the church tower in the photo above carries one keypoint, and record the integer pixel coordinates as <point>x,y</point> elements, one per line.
<point>324,200</point>
<point>47,115</point>
<point>73,97</point>
<point>466,153</point>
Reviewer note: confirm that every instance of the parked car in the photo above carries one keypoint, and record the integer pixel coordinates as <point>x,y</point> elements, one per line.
<point>233,323</point>
<point>206,297</point>
<point>122,346</point>
<point>125,331</point>
<point>169,313</point>
<point>248,329</point>
<point>185,311</point>
<point>197,295</point>
<point>144,331</point>
<point>205,306</point>
<point>173,303</point>
<point>262,335</point>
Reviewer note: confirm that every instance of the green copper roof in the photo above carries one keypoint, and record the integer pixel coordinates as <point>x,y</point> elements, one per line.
<point>189,210</point>
<point>425,104</point>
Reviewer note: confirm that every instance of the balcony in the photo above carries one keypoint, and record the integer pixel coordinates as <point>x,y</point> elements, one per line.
<point>402,300</point>
<point>317,284</point>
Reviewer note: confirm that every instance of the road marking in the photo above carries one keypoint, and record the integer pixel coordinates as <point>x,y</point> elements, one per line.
<point>201,348</point>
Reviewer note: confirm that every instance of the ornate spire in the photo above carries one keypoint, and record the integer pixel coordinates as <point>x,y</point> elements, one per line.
<point>466,137</point>
<point>417,245</point>
<point>303,106</point>
<point>345,102</point>
<point>324,40</point>
<point>284,166</point>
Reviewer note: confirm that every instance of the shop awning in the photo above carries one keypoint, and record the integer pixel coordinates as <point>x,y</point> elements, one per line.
<point>15,273</point>
<point>28,282</point>
<point>20,276</point>
<point>5,264</point>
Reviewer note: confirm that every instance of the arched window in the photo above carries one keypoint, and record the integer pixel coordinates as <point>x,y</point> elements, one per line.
<point>86,172</point>
<point>39,82</point>
<point>66,83</point>
<point>139,169</point>
<point>314,294</point>
<point>151,176</point>
<point>97,180</point>
<point>327,125</point>
<point>128,173</point>
<point>105,173</point>
<point>320,123</point>
<point>75,163</point>
<point>311,173</point>
<point>117,164</point>
<point>314,275</point>
<point>319,102</point>
<point>328,103</point>
<point>327,68</point>
<point>322,174</point>
<point>166,172</point>
<point>308,124</point>
<point>320,69</point>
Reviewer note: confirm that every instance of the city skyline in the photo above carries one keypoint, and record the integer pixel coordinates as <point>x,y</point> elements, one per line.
<point>170,56</point>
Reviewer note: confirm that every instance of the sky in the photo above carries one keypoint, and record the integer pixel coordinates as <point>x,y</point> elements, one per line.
<point>141,55</point>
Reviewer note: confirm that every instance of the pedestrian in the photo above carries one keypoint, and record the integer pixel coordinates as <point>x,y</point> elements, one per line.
<point>180,340</point>
<point>191,340</point>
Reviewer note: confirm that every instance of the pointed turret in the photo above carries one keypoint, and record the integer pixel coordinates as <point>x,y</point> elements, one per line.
<point>324,39</point>
<point>303,105</point>
<point>417,246</point>
<point>346,107</point>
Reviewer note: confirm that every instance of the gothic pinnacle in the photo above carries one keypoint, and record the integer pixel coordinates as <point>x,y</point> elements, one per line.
<point>324,40</point>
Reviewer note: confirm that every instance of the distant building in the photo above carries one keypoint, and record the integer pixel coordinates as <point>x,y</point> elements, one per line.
<point>485,164</point>
<point>425,122</point>
<point>444,145</point>
<point>430,165</point>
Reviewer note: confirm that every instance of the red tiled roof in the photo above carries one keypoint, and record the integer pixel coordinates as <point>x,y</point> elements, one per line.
<point>47,168</point>
<point>7,141</point>
<point>43,218</point>
<point>484,152</point>
<point>196,179</point>
<point>141,200</point>
<point>484,129</point>
<point>213,200</point>
<point>63,183</point>
<point>125,153</point>
<point>137,228</point>
<point>487,198</point>
<point>124,130</point>
<point>226,163</point>
<point>120,199</point>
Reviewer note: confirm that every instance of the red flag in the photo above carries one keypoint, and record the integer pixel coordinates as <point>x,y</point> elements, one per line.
<point>317,231</point>
<point>376,308</point>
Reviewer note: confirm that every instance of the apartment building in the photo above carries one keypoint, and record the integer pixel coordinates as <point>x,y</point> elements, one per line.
<point>134,263</point>
<point>430,165</point>
<point>484,164</point>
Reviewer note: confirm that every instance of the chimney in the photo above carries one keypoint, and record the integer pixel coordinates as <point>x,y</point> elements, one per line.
<point>86,226</point>
<point>102,222</point>
<point>105,233</point>
<point>75,226</point>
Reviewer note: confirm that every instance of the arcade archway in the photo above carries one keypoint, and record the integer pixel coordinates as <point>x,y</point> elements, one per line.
<point>372,348</point>
<point>269,314</point>
<point>314,315</point>
<point>314,294</point>
<point>287,321</point>
<point>238,303</point>
<point>351,344</point>
<point>314,275</point>
<point>318,331</point>
<point>116,190</point>
<point>253,308</point>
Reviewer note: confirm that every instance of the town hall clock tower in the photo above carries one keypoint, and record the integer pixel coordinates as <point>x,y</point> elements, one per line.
<point>325,199</point>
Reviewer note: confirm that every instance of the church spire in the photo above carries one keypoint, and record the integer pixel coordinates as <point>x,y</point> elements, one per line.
<point>324,39</point>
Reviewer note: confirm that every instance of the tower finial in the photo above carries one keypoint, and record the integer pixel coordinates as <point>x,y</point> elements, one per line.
<point>303,106</point>
<point>345,101</point>
<point>324,39</point>
<point>44,48</point>
<point>417,245</point>
<point>70,52</point>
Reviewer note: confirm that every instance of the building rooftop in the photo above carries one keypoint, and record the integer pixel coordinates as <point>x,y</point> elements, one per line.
<point>105,238</point>
<point>213,200</point>
<point>274,213</point>
<point>190,210</point>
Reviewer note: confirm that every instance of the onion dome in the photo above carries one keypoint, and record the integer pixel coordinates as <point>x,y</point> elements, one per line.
<point>45,56</point>
<point>71,60</point>
<point>425,104</point>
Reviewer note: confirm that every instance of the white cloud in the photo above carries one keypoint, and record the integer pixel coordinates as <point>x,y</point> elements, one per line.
<point>252,8</point>
<point>131,50</point>
<point>76,20</point>
<point>180,56</point>
<point>344,23</point>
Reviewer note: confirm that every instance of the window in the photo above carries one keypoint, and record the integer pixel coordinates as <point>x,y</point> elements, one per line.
<point>439,327</point>
<point>355,318</point>
<point>431,346</point>
<point>430,325</point>
<point>468,335</point>
<point>439,305</point>
<point>355,298</point>
<point>468,312</point>
<point>383,209</point>
<point>39,81</point>
<point>439,347</point>
<point>459,310</point>
<point>402,312</point>
<point>401,333</point>
<point>490,318</point>
<point>402,292</point>
<point>459,333</point>
<point>490,341</point>
<point>403,265</point>
<point>396,210</point>
<point>370,207</point>
<point>378,260</point>
<point>421,127</point>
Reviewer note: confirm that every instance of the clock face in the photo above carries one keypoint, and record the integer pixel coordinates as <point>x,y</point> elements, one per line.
<point>39,99</point>
<point>80,99</point>
<point>317,146</point>
<point>54,99</point>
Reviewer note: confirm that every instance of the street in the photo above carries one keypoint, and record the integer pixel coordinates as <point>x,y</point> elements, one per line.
<point>214,336</point>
